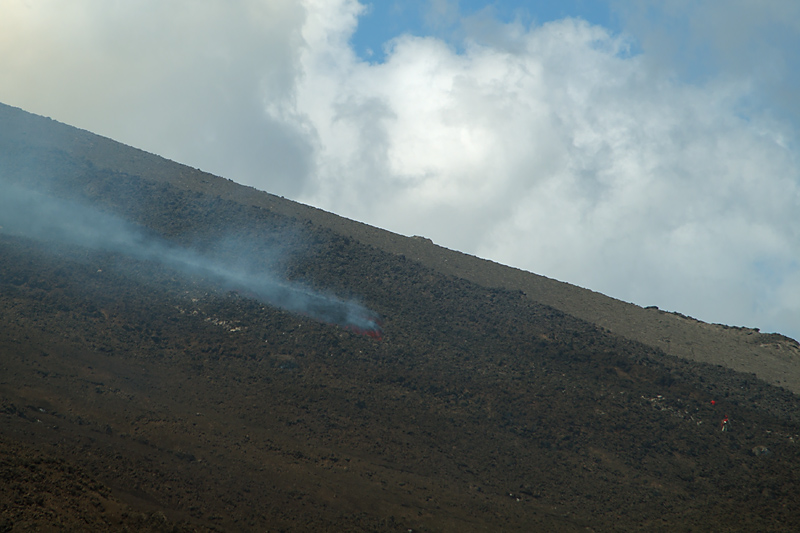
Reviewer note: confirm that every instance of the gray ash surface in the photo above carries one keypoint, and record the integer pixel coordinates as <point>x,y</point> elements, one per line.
<point>134,396</point>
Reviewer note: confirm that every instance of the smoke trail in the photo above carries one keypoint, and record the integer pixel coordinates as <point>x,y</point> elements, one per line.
<point>30,214</point>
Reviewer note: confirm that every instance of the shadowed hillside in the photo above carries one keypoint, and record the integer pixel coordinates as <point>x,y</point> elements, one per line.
<point>136,394</point>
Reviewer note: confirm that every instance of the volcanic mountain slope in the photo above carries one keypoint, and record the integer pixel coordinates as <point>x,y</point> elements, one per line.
<point>53,148</point>
<point>135,395</point>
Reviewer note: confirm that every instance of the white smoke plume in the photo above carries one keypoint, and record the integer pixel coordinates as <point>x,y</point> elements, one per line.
<point>33,215</point>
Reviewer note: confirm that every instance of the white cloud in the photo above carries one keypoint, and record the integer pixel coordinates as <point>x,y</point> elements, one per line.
<point>550,148</point>
<point>558,152</point>
<point>184,79</point>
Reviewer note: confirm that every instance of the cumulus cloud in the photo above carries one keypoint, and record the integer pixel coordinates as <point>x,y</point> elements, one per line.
<point>555,149</point>
<point>606,160</point>
<point>185,80</point>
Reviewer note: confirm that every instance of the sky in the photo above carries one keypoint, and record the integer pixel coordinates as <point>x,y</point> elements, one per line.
<point>644,149</point>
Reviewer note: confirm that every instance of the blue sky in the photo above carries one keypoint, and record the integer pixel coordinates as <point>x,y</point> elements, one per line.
<point>645,149</point>
<point>385,20</point>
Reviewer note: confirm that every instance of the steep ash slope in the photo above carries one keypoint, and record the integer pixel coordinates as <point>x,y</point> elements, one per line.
<point>135,395</point>
<point>27,140</point>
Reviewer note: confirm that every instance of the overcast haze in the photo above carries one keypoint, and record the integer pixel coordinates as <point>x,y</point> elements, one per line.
<point>646,150</point>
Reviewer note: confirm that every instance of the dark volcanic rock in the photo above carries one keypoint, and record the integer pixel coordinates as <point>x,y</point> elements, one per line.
<point>136,396</point>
